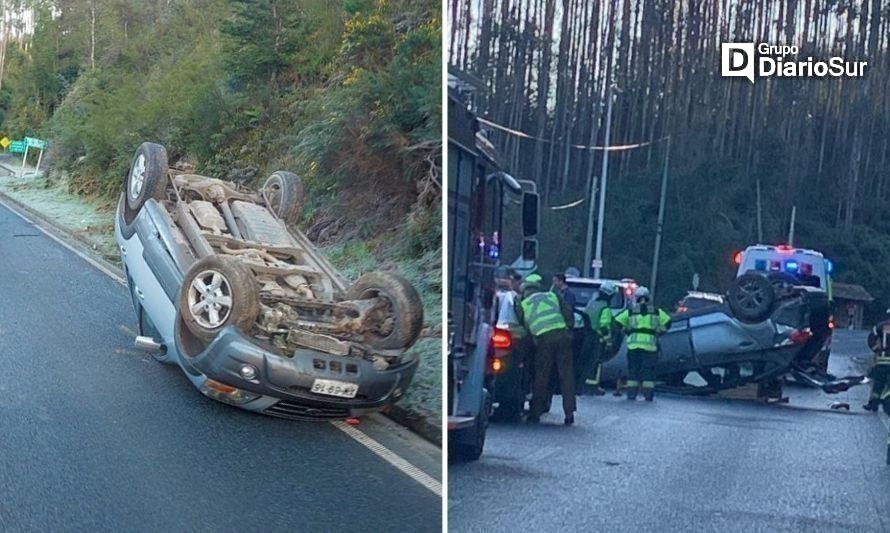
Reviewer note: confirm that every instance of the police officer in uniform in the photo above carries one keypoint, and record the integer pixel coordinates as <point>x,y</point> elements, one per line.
<point>642,325</point>
<point>879,342</point>
<point>599,339</point>
<point>547,318</point>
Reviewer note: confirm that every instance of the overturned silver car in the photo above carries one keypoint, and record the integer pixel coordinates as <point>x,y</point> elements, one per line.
<point>225,287</point>
<point>766,328</point>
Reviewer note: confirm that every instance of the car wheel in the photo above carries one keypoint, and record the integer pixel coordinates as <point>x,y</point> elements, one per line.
<point>782,283</point>
<point>218,291</point>
<point>146,179</point>
<point>468,446</point>
<point>401,318</point>
<point>751,297</point>
<point>285,194</point>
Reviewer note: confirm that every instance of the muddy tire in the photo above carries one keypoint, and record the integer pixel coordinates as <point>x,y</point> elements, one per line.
<point>404,314</point>
<point>751,298</point>
<point>285,194</point>
<point>146,179</point>
<point>218,291</point>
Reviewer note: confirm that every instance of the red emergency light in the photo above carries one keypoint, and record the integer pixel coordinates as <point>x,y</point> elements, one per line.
<point>737,258</point>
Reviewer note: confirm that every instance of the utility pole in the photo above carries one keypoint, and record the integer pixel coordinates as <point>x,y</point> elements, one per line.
<point>591,209</point>
<point>660,225</point>
<point>791,227</point>
<point>602,193</point>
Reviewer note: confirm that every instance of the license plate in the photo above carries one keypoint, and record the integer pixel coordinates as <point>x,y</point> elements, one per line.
<point>330,387</point>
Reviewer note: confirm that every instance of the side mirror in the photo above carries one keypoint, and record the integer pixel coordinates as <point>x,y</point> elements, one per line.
<point>530,217</point>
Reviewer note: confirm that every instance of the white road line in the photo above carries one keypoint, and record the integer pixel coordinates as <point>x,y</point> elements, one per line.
<point>390,457</point>
<point>102,268</point>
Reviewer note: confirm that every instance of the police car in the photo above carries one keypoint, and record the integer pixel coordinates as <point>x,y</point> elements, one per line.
<point>791,272</point>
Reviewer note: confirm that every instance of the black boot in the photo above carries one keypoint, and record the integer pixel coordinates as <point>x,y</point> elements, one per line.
<point>570,420</point>
<point>872,405</point>
<point>632,394</point>
<point>648,394</point>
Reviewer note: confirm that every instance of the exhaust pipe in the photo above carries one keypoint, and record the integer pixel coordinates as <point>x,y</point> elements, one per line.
<point>148,344</point>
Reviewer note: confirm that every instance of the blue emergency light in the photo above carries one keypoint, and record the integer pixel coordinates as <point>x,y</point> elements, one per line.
<point>791,266</point>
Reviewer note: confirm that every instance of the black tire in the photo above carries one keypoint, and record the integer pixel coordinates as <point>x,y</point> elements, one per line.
<point>751,297</point>
<point>404,317</point>
<point>469,443</point>
<point>782,283</point>
<point>235,282</point>
<point>149,162</point>
<point>285,194</point>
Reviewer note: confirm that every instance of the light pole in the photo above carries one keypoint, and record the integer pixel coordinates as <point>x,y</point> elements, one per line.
<point>602,192</point>
<point>660,225</point>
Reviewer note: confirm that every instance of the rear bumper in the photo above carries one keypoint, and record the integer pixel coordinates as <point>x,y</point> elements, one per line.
<point>282,385</point>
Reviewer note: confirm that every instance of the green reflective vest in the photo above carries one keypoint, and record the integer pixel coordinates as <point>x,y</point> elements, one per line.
<point>642,330</point>
<point>541,313</point>
<point>600,317</point>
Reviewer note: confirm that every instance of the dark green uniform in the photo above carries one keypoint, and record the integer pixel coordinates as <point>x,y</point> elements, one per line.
<point>642,327</point>
<point>547,319</point>
<point>879,342</point>
<point>599,339</point>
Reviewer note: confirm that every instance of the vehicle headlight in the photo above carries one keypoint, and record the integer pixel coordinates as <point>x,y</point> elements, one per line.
<point>226,393</point>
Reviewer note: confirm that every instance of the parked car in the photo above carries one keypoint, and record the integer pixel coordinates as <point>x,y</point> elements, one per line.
<point>695,300</point>
<point>225,287</point>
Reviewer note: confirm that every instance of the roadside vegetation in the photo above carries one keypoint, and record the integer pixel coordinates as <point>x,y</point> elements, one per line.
<point>346,94</point>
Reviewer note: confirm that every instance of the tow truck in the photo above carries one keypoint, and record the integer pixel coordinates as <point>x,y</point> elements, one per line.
<point>480,193</point>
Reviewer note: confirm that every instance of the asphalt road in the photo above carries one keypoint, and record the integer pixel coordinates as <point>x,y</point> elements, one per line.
<point>97,436</point>
<point>686,464</point>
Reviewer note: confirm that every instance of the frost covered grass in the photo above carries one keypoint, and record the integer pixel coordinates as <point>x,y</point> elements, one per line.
<point>91,221</point>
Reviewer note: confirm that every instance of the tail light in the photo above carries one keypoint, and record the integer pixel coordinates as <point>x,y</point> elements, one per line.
<point>831,323</point>
<point>501,339</point>
<point>800,336</point>
<point>737,258</point>
<point>496,365</point>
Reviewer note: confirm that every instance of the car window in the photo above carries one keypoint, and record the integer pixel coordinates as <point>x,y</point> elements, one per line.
<point>583,293</point>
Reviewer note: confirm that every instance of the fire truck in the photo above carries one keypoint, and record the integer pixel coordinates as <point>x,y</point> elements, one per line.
<point>481,196</point>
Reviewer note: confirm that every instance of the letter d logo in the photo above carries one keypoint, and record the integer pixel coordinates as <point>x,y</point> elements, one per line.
<point>737,60</point>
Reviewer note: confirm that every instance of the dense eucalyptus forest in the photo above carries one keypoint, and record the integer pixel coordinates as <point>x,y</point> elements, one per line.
<point>820,144</point>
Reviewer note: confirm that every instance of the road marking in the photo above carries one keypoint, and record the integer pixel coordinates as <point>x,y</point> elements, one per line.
<point>88,259</point>
<point>385,453</point>
<point>390,457</point>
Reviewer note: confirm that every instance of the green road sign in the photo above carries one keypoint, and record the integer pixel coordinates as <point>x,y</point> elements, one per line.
<point>17,147</point>
<point>35,143</point>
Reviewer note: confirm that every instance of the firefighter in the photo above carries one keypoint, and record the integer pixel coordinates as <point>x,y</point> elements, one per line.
<point>642,325</point>
<point>547,317</point>
<point>879,342</point>
<point>599,341</point>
